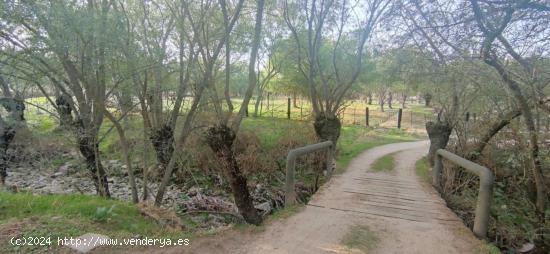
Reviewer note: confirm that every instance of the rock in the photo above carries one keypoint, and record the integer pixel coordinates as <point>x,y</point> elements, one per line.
<point>87,242</point>
<point>39,185</point>
<point>193,191</point>
<point>265,207</point>
<point>199,219</point>
<point>526,248</point>
<point>259,188</point>
<point>57,174</point>
<point>216,220</point>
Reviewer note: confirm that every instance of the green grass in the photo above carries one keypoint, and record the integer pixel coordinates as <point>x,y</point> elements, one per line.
<point>70,216</point>
<point>360,238</point>
<point>489,248</point>
<point>384,163</point>
<point>271,130</point>
<point>423,169</point>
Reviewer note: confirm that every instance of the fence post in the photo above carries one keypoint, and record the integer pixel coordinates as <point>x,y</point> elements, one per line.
<point>343,115</point>
<point>367,116</point>
<point>268,94</point>
<point>399,115</point>
<point>288,109</point>
<point>261,105</point>
<point>412,126</point>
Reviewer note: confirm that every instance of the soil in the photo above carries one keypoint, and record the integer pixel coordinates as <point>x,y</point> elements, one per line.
<point>405,214</point>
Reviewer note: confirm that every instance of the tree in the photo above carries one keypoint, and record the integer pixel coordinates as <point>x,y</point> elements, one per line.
<point>311,24</point>
<point>77,45</point>
<point>10,122</point>
<point>221,136</point>
<point>511,38</point>
<point>494,21</point>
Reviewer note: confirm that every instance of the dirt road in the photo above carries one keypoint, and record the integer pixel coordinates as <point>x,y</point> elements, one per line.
<point>404,214</point>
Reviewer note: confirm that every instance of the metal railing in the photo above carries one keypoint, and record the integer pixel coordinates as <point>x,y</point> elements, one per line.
<point>481,221</point>
<point>290,194</point>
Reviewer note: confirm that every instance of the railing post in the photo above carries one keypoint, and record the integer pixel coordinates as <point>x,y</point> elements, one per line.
<point>481,221</point>
<point>486,178</point>
<point>290,194</point>
<point>329,160</point>
<point>436,172</point>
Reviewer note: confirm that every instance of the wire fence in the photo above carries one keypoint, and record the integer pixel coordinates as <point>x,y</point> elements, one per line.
<point>358,113</point>
<point>413,116</point>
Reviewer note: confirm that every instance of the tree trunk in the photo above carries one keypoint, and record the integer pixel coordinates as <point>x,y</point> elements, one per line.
<point>427,99</point>
<point>220,139</point>
<point>89,149</point>
<point>294,100</point>
<point>390,99</point>
<point>403,100</point>
<point>381,103</point>
<point>125,103</point>
<point>257,103</point>
<point>64,110</point>
<point>438,133</point>
<point>327,127</point>
<point>492,131</point>
<point>15,119</point>
<point>163,143</point>
<point>126,153</point>
<point>369,98</point>
<point>6,136</point>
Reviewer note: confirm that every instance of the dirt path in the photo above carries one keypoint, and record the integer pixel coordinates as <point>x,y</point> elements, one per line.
<point>405,215</point>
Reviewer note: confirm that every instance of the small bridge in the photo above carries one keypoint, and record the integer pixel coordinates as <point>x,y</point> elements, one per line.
<point>404,213</point>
